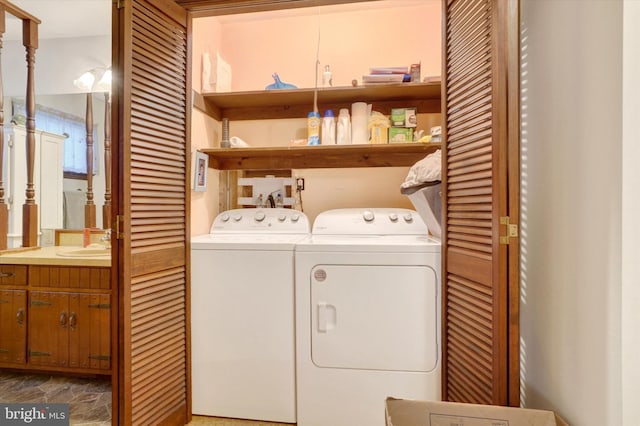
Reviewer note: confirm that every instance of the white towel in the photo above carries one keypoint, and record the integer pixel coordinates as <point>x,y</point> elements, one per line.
<point>73,209</point>
<point>429,169</point>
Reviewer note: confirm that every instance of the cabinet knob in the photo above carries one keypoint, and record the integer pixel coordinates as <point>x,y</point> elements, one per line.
<point>62,320</point>
<point>20,316</point>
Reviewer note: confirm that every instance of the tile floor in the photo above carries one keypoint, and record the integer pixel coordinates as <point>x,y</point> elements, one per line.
<point>89,399</point>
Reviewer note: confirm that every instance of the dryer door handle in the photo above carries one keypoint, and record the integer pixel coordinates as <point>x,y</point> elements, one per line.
<point>326,317</point>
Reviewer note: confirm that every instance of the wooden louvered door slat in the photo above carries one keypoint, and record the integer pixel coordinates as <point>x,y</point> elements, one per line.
<point>152,56</point>
<point>480,185</point>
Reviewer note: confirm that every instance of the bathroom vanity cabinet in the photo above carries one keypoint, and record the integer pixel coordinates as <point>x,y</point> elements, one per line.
<point>56,318</point>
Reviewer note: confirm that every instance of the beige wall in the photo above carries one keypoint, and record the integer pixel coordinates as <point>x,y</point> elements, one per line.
<point>630,213</point>
<point>204,130</point>
<point>571,209</point>
<point>350,41</point>
<point>392,33</point>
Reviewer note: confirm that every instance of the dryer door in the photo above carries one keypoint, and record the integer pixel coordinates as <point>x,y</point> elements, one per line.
<point>374,317</point>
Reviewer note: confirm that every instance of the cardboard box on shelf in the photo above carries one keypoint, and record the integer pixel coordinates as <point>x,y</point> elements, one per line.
<point>404,412</point>
<point>404,117</point>
<point>400,135</point>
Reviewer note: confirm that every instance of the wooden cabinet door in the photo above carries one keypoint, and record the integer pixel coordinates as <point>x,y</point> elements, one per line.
<point>70,330</point>
<point>89,331</point>
<point>481,197</point>
<point>13,326</point>
<point>48,332</point>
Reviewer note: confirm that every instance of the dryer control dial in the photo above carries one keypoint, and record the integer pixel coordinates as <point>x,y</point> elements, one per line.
<point>282,218</point>
<point>408,218</point>
<point>225,217</point>
<point>295,217</point>
<point>393,217</point>
<point>259,217</point>
<point>368,216</point>
<point>237,217</point>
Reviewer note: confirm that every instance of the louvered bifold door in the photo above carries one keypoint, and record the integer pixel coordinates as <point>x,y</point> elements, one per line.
<point>476,295</point>
<point>152,61</point>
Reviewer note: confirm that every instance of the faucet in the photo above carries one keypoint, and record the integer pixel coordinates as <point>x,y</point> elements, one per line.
<point>106,238</point>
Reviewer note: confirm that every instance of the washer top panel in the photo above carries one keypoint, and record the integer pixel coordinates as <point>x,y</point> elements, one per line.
<point>261,221</point>
<point>372,221</point>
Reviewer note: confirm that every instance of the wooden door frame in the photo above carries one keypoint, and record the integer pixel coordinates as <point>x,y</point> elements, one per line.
<point>512,15</point>
<point>199,8</point>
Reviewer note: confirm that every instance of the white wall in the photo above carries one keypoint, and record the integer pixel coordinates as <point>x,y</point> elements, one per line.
<point>58,62</point>
<point>630,214</point>
<point>572,209</point>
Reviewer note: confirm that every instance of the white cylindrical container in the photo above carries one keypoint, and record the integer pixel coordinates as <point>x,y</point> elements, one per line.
<point>328,132</point>
<point>359,123</point>
<point>343,128</point>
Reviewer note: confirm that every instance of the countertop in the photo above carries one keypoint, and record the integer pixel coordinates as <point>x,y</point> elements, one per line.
<point>54,256</point>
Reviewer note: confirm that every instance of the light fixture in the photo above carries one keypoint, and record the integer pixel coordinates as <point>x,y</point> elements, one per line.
<point>85,81</point>
<point>94,80</point>
<point>104,84</point>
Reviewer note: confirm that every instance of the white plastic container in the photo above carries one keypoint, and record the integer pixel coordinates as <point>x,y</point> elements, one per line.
<point>360,122</point>
<point>343,128</point>
<point>328,132</point>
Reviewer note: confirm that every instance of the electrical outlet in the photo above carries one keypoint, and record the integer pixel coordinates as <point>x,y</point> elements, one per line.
<point>300,184</point>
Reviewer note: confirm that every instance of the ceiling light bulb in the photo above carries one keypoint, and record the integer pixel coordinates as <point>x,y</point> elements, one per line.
<point>104,84</point>
<point>85,81</point>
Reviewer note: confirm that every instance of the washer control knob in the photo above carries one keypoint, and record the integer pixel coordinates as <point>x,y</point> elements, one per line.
<point>225,217</point>
<point>237,217</point>
<point>368,216</point>
<point>408,218</point>
<point>282,217</point>
<point>393,217</point>
<point>295,217</point>
<point>259,217</point>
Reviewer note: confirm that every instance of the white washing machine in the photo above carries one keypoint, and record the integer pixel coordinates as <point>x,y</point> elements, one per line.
<point>242,315</point>
<point>367,316</point>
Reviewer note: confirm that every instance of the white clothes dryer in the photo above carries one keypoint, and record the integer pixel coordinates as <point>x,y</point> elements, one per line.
<point>242,315</point>
<point>367,316</point>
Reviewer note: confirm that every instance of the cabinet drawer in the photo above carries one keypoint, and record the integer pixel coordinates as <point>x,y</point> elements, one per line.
<point>70,277</point>
<point>13,275</point>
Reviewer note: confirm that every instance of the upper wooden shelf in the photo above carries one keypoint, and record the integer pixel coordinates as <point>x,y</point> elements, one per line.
<point>323,156</point>
<point>297,103</point>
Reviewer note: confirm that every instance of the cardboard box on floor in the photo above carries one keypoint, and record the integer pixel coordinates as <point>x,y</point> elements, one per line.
<point>403,412</point>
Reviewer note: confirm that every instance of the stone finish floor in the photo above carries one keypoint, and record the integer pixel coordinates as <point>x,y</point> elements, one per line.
<point>89,398</point>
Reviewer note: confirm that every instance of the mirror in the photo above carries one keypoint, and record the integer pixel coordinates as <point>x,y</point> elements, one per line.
<point>74,37</point>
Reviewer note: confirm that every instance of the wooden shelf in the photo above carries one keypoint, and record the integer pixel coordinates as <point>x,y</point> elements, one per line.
<point>296,103</point>
<point>311,157</point>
